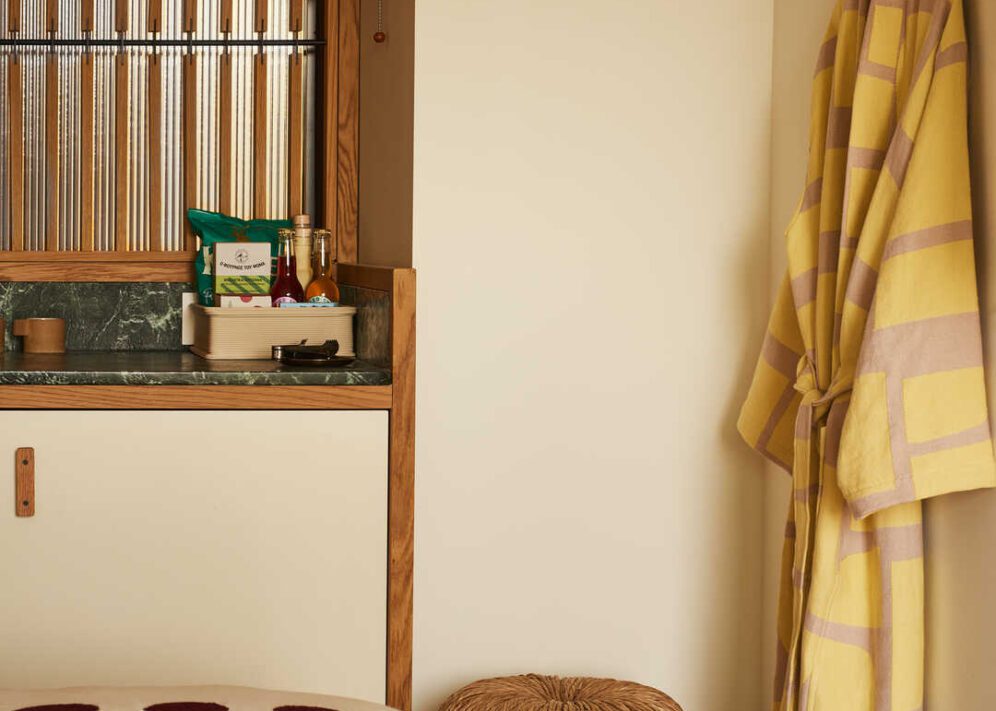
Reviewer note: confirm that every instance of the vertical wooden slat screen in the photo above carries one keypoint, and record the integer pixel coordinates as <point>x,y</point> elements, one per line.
<point>15,137</point>
<point>189,140</point>
<point>347,163</point>
<point>188,80</point>
<point>225,133</point>
<point>52,152</point>
<point>296,15</point>
<point>86,153</point>
<point>121,16</point>
<point>83,118</point>
<point>262,11</point>
<point>225,114</point>
<point>189,22</point>
<point>86,15</point>
<point>155,160</point>
<point>259,170</point>
<point>154,16</point>
<point>14,15</point>
<point>259,125</point>
<point>121,206</point>
<point>15,151</point>
<point>52,16</point>
<point>52,112</point>
<point>295,137</point>
<point>226,16</point>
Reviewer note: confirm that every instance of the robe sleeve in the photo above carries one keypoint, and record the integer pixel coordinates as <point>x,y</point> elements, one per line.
<point>917,425</point>
<point>767,419</point>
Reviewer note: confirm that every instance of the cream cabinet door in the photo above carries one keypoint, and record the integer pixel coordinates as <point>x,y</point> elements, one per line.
<point>178,548</point>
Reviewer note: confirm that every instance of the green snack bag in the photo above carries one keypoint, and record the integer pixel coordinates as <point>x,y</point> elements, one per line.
<point>213,227</point>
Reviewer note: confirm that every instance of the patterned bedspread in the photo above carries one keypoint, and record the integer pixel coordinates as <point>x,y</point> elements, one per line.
<point>177,698</point>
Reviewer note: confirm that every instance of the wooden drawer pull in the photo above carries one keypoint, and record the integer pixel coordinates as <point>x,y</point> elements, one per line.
<point>24,466</point>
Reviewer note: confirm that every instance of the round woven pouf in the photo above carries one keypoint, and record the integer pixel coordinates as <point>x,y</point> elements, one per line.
<point>532,692</point>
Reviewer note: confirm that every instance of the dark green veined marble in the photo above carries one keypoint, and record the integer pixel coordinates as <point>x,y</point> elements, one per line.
<point>372,323</point>
<point>100,317</point>
<point>173,368</point>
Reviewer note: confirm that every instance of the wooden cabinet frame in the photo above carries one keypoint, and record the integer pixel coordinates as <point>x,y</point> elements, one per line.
<point>398,399</point>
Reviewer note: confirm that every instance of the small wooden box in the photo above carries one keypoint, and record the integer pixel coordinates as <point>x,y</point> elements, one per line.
<point>249,334</point>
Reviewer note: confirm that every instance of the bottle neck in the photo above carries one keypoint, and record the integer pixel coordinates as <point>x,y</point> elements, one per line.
<point>321,259</point>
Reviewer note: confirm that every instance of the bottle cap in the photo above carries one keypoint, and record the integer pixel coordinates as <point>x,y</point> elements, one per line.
<point>302,220</point>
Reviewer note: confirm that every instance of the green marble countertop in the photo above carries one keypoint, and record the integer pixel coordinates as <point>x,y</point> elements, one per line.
<point>173,368</point>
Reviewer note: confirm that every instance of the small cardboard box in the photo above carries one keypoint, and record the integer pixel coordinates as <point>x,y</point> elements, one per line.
<point>242,268</point>
<point>233,334</point>
<point>243,302</point>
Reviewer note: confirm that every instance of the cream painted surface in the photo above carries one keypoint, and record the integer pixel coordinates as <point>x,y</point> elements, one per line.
<point>183,548</point>
<point>799,29</point>
<point>961,577</point>
<point>591,234</point>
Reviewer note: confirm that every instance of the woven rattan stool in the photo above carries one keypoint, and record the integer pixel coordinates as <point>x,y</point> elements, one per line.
<point>548,693</point>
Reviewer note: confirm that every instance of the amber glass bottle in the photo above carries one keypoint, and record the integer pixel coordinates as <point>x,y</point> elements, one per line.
<point>322,290</point>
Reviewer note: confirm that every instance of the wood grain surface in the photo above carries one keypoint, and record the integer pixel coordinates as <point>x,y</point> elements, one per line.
<point>348,129</point>
<point>24,482</point>
<point>225,133</point>
<point>87,64</point>
<point>189,15</point>
<point>86,15</point>
<point>121,15</point>
<point>154,16</point>
<point>121,108</point>
<point>154,158</point>
<point>225,18</point>
<point>97,266</point>
<point>14,15</point>
<point>195,397</point>
<point>296,15</point>
<point>52,167</point>
<point>189,140</point>
<point>329,104</point>
<point>401,497</point>
<point>52,15</point>
<point>259,137</point>
<point>15,151</point>
<point>295,138</point>
<point>261,16</point>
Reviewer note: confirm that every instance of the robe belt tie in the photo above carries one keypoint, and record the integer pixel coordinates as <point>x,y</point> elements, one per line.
<point>815,402</point>
<point>813,409</point>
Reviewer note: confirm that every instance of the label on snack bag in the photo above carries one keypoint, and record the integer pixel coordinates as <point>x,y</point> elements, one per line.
<point>241,285</point>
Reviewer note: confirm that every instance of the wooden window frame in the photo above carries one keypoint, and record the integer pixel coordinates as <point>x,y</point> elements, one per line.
<point>337,175</point>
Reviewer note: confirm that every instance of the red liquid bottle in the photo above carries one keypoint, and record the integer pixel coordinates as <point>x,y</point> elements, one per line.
<point>286,288</point>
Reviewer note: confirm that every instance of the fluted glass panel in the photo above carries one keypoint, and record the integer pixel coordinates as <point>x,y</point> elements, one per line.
<point>36,104</point>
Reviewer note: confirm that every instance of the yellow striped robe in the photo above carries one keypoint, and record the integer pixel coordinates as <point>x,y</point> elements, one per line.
<point>869,388</point>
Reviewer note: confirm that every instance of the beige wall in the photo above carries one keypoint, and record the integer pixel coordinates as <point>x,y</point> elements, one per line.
<point>386,131</point>
<point>591,232</point>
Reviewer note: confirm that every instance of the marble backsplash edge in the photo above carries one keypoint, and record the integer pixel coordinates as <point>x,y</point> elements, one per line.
<point>148,316</point>
<point>100,316</point>
<point>372,324</point>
